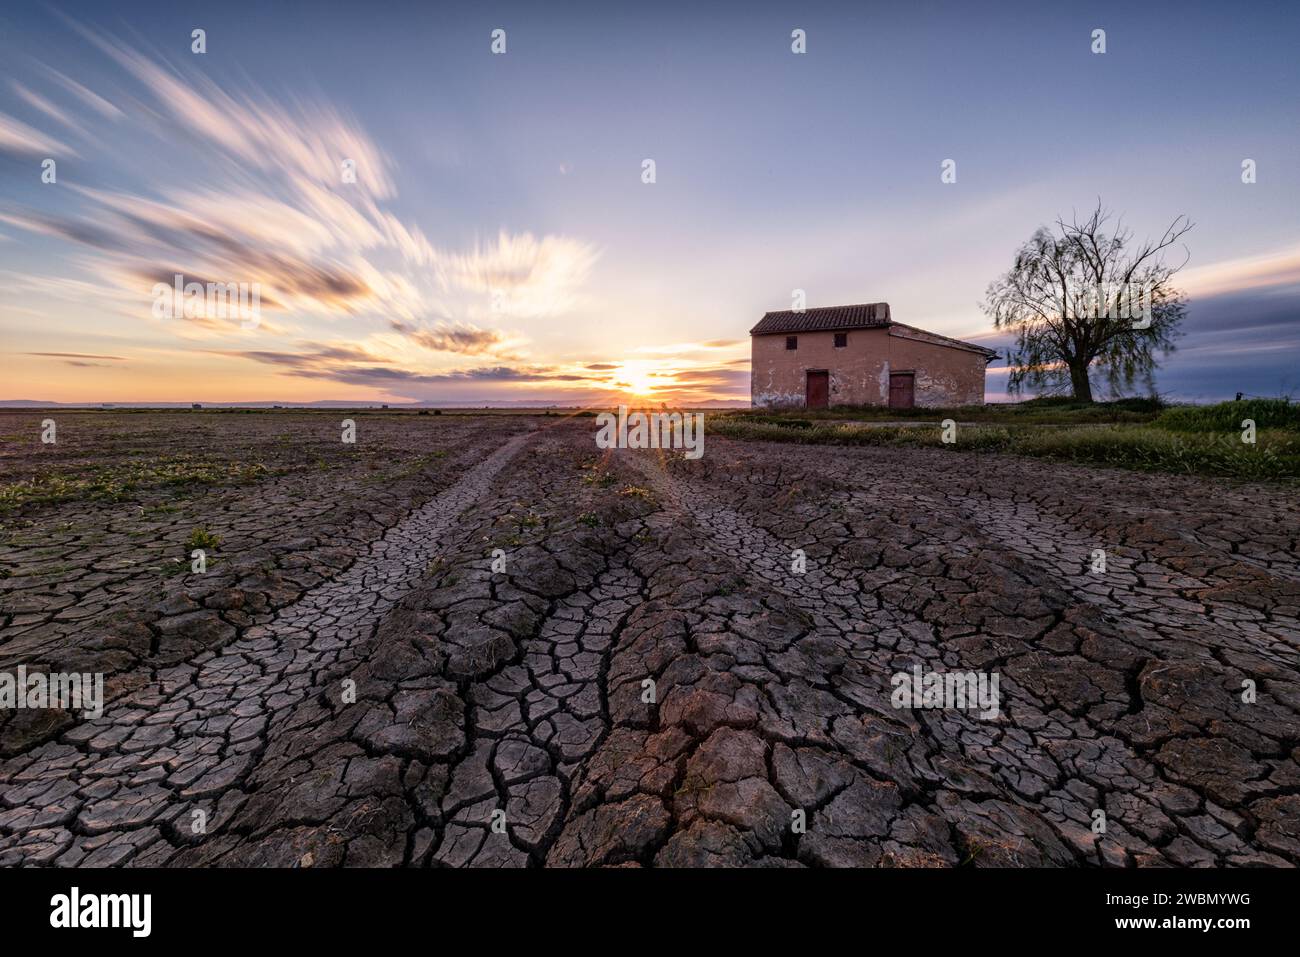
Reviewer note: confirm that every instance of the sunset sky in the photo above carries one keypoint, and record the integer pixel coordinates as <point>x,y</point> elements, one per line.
<point>499,245</point>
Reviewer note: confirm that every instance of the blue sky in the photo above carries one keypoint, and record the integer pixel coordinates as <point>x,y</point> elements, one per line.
<point>499,244</point>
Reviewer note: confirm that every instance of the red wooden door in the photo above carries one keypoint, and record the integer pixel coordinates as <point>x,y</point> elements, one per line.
<point>902,390</point>
<point>818,391</point>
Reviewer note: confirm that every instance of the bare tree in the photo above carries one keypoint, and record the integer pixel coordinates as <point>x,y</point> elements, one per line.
<point>1083,302</point>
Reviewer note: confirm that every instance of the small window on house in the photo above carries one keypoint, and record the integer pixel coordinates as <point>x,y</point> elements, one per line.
<point>841,340</point>
<point>791,343</point>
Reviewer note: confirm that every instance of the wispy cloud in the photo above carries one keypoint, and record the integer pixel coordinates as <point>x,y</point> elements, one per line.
<point>519,275</point>
<point>36,101</point>
<point>312,229</point>
<point>1275,270</point>
<point>458,338</point>
<point>308,142</point>
<point>20,139</point>
<point>86,95</point>
<point>79,359</point>
<point>75,355</point>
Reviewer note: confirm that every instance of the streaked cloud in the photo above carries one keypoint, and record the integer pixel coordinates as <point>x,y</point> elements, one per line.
<point>459,338</point>
<point>20,139</point>
<point>36,101</point>
<point>87,96</point>
<point>79,359</point>
<point>462,265</point>
<point>519,275</point>
<point>1275,270</point>
<point>318,247</point>
<point>308,142</point>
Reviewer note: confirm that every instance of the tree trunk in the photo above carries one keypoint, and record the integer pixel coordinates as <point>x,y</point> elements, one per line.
<point>1079,381</point>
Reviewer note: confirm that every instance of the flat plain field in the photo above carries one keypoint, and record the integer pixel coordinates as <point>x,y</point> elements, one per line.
<point>478,640</point>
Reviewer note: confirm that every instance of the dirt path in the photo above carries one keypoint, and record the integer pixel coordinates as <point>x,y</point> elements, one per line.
<point>181,743</point>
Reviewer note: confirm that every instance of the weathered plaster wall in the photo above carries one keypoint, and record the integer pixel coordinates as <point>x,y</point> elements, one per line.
<point>945,375</point>
<point>859,372</point>
<point>777,375</point>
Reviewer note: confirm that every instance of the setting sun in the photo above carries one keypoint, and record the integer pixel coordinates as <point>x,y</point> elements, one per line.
<point>637,377</point>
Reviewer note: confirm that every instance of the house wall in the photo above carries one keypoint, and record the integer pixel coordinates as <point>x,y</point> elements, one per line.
<point>777,375</point>
<point>946,375</point>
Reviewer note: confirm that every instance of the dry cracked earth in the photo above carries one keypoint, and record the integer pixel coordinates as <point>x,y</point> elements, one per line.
<point>482,642</point>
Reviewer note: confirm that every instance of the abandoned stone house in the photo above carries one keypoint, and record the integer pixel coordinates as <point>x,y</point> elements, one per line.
<point>857,355</point>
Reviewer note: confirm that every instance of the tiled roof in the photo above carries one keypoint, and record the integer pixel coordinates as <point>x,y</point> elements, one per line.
<point>961,343</point>
<point>824,319</point>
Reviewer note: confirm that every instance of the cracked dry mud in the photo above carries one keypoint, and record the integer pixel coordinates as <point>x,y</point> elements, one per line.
<point>387,710</point>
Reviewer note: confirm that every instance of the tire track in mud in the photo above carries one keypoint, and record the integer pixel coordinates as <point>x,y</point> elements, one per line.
<point>480,697</point>
<point>1139,590</point>
<point>526,748</point>
<point>861,642</point>
<point>107,790</point>
<point>1050,760</point>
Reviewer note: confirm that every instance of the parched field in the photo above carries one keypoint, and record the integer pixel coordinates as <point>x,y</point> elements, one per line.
<point>479,641</point>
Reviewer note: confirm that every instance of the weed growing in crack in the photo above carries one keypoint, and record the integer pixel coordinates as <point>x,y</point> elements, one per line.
<point>636,491</point>
<point>202,538</point>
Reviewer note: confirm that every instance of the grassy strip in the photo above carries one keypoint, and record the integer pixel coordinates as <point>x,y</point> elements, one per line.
<point>116,483</point>
<point>1275,456</point>
<point>1047,411</point>
<point>1228,416</point>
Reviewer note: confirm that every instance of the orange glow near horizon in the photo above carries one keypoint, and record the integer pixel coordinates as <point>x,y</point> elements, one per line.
<point>132,375</point>
<point>637,378</point>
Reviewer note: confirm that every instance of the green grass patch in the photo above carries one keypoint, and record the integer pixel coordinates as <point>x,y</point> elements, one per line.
<point>201,538</point>
<point>1044,411</point>
<point>118,481</point>
<point>1228,416</point>
<point>1274,456</point>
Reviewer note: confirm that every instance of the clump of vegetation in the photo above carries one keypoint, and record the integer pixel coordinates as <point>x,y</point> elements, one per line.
<point>120,480</point>
<point>590,519</point>
<point>729,585</point>
<point>1228,416</point>
<point>597,475</point>
<point>411,467</point>
<point>202,538</point>
<point>636,491</point>
<point>176,567</point>
<point>518,521</point>
<point>788,422</point>
<point>41,489</point>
